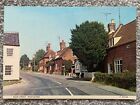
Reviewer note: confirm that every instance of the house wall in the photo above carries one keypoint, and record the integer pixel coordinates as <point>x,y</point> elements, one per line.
<point>11,60</point>
<point>79,68</point>
<point>42,65</point>
<point>59,69</point>
<point>126,52</point>
<point>68,55</point>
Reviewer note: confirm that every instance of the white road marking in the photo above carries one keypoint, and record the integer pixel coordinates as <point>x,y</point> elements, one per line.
<point>69,91</point>
<point>58,82</point>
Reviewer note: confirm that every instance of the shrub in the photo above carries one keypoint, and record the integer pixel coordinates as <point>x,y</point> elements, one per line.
<point>126,80</point>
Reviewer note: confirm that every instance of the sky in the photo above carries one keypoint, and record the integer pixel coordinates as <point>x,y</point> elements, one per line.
<point>38,26</point>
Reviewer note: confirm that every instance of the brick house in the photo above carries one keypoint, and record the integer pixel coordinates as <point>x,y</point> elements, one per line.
<point>121,54</point>
<point>47,56</point>
<point>11,56</point>
<point>65,53</point>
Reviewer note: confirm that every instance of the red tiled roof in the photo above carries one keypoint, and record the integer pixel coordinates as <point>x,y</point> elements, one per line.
<point>11,39</point>
<point>126,32</point>
<point>60,53</point>
<point>50,52</point>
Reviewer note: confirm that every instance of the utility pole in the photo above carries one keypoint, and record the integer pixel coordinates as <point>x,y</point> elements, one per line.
<point>59,39</point>
<point>119,16</point>
<point>33,62</point>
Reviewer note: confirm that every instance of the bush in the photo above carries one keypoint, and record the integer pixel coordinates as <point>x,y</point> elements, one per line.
<point>125,80</point>
<point>35,68</point>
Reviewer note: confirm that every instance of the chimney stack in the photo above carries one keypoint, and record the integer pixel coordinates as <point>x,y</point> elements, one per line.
<point>111,26</point>
<point>48,47</point>
<point>62,45</point>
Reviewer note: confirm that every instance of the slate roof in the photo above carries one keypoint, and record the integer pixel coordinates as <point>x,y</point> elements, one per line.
<point>11,39</point>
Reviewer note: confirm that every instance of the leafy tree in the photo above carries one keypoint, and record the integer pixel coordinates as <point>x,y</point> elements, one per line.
<point>89,43</point>
<point>35,61</point>
<point>39,54</point>
<point>24,61</point>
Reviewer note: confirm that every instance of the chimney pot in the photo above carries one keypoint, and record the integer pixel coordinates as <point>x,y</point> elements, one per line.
<point>48,47</point>
<point>111,26</point>
<point>112,21</point>
<point>62,45</point>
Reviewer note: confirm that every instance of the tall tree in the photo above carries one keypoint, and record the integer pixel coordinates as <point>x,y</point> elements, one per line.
<point>39,54</point>
<point>24,61</point>
<point>35,61</point>
<point>89,43</point>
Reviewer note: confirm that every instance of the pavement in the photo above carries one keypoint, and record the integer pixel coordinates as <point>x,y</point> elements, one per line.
<point>34,83</point>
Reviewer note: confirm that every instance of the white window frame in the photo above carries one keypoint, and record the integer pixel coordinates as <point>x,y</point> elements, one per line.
<point>8,72</point>
<point>50,67</point>
<point>56,67</point>
<point>118,65</point>
<point>10,51</point>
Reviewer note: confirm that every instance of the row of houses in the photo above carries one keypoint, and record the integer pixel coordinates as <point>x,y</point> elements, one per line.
<point>121,54</point>
<point>53,62</point>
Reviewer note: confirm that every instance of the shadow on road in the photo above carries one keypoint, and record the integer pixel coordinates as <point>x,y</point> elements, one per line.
<point>78,79</point>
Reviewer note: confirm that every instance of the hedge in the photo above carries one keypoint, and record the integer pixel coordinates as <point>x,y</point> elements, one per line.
<point>126,80</point>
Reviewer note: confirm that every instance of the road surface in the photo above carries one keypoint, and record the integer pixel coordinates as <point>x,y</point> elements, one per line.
<point>44,84</point>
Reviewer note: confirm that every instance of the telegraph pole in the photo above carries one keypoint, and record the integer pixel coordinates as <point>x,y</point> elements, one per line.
<point>119,16</point>
<point>59,39</point>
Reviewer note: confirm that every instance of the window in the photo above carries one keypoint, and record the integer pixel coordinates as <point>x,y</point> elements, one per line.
<point>8,70</point>
<point>118,66</point>
<point>55,66</point>
<point>9,51</point>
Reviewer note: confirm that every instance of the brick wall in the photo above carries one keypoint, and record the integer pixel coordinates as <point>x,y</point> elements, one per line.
<point>59,63</point>
<point>68,55</point>
<point>126,52</point>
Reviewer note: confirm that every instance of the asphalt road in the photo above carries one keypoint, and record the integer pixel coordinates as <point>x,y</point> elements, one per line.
<point>43,84</point>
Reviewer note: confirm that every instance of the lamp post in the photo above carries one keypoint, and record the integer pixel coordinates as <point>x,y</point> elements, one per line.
<point>63,69</point>
<point>73,68</point>
<point>34,62</point>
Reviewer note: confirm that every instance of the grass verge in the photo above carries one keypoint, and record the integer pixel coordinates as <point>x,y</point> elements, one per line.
<point>11,82</point>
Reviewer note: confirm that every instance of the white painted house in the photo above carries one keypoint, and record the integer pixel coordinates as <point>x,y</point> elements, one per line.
<point>79,68</point>
<point>11,56</point>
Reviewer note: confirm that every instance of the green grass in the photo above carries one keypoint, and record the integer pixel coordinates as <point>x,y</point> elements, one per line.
<point>11,82</point>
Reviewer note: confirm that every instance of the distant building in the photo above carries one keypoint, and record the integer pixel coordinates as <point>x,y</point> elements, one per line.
<point>52,62</point>
<point>121,54</point>
<point>30,64</point>
<point>11,56</point>
<point>47,56</point>
<point>79,68</point>
<point>65,53</point>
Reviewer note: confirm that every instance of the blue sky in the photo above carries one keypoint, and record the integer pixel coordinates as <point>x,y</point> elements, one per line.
<point>39,25</point>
